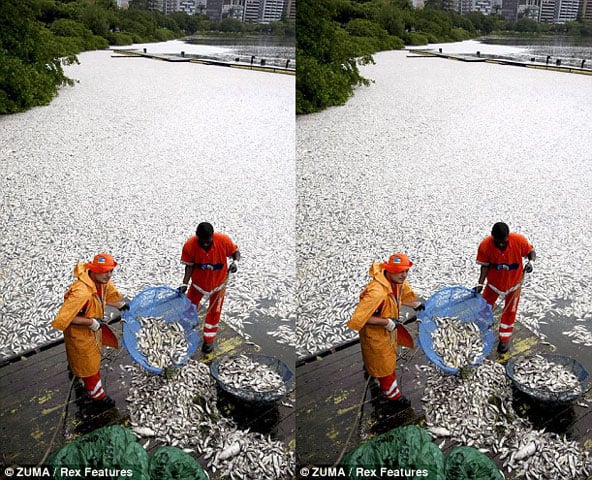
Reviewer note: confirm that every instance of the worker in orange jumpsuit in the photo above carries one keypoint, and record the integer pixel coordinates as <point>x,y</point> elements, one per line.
<point>500,256</point>
<point>380,302</point>
<point>206,271</point>
<point>80,319</point>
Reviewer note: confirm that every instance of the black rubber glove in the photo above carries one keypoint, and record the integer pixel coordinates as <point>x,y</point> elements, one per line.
<point>233,267</point>
<point>478,288</point>
<point>420,307</point>
<point>124,307</point>
<point>182,289</point>
<point>528,267</point>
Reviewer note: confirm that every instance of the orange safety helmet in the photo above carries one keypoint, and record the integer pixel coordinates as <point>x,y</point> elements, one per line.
<point>103,262</point>
<point>397,263</point>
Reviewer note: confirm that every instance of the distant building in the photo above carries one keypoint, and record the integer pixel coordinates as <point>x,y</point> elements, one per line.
<point>214,9</point>
<point>483,6</point>
<point>187,6</point>
<point>547,11</point>
<point>510,10</point>
<point>270,11</point>
<point>586,10</point>
<point>566,10</point>
<point>251,11</point>
<point>233,9</point>
<point>530,10</point>
<point>289,12</point>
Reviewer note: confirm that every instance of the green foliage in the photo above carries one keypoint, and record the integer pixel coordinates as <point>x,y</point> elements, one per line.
<point>30,58</point>
<point>416,39</point>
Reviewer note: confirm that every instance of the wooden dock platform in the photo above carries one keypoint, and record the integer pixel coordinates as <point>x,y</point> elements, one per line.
<point>34,394</point>
<point>182,57</point>
<point>478,57</point>
<point>333,402</point>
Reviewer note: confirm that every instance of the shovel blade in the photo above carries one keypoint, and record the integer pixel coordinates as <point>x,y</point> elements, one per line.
<point>404,338</point>
<point>109,338</point>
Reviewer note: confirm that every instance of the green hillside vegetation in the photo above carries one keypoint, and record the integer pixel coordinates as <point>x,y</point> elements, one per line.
<point>39,37</point>
<point>335,37</point>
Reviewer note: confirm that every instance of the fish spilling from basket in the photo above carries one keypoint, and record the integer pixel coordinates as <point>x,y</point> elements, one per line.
<point>459,344</point>
<point>242,372</point>
<point>164,344</point>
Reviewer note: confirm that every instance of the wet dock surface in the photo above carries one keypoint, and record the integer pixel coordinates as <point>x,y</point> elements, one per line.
<point>41,408</point>
<point>338,408</point>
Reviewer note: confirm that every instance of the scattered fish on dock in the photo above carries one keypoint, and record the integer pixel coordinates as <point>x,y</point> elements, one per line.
<point>476,410</point>
<point>580,334</point>
<point>459,344</point>
<point>182,411</point>
<point>164,344</point>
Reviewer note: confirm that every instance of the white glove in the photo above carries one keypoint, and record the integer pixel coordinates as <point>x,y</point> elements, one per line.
<point>95,325</point>
<point>390,326</point>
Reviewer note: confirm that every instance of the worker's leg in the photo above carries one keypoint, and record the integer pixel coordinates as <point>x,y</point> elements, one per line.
<point>509,316</point>
<point>489,295</point>
<point>390,387</point>
<point>213,316</point>
<point>94,386</point>
<point>194,296</point>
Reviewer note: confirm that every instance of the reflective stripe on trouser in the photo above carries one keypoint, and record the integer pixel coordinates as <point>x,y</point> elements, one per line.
<point>94,387</point>
<point>389,386</point>
<point>214,311</point>
<point>508,317</point>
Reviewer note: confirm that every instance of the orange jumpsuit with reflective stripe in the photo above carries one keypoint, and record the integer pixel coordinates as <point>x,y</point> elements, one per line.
<point>504,274</point>
<point>379,346</point>
<point>83,346</point>
<point>209,273</point>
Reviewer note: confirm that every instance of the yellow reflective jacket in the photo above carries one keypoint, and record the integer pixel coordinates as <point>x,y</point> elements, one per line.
<point>379,350</point>
<point>83,346</point>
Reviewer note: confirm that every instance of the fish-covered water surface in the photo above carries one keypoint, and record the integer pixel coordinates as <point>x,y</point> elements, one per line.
<point>424,161</point>
<point>129,161</point>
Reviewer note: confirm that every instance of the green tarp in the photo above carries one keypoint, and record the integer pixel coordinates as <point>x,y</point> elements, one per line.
<point>408,452</point>
<point>113,452</point>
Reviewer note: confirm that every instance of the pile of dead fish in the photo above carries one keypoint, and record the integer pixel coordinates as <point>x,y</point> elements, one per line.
<point>459,344</point>
<point>477,411</point>
<point>181,410</point>
<point>540,373</point>
<point>164,344</point>
<point>244,373</point>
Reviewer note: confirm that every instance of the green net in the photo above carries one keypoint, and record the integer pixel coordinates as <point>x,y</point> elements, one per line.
<point>408,452</point>
<point>170,463</point>
<point>467,463</point>
<point>114,452</point>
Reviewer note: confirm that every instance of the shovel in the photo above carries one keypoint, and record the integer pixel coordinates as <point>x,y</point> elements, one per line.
<point>109,338</point>
<point>404,338</point>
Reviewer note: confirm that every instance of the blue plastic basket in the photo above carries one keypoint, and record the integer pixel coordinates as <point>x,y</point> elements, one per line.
<point>569,363</point>
<point>249,395</point>
<point>165,302</point>
<point>461,302</point>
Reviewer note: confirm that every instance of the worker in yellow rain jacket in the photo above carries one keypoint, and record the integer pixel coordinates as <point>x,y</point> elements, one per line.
<point>80,319</point>
<point>373,318</point>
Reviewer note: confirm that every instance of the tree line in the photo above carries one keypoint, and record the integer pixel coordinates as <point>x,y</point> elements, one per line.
<point>39,37</point>
<point>335,37</point>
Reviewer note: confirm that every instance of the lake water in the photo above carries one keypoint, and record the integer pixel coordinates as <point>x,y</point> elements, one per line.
<point>129,161</point>
<point>424,161</point>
